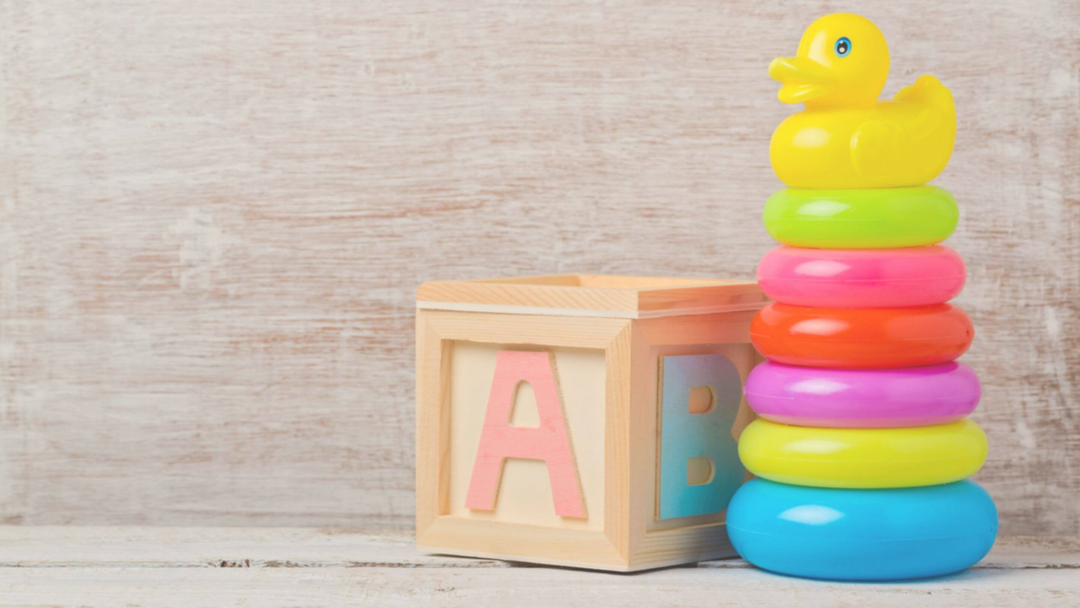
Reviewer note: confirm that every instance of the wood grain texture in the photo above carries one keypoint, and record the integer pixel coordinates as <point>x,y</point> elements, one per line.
<point>599,296</point>
<point>214,216</point>
<point>131,567</point>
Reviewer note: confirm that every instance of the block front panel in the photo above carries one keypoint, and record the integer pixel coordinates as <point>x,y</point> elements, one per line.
<point>524,494</point>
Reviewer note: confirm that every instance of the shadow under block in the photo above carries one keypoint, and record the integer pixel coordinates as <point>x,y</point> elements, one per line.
<point>581,420</point>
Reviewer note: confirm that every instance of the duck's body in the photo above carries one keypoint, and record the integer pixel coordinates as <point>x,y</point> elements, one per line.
<point>846,138</point>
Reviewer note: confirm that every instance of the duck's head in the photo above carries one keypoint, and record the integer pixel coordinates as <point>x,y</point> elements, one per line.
<point>842,61</point>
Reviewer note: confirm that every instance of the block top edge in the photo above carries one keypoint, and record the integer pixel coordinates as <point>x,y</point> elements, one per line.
<point>634,297</point>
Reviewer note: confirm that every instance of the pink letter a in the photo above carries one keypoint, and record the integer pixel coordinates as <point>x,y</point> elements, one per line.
<point>548,442</point>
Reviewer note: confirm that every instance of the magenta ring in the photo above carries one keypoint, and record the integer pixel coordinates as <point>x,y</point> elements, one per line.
<point>870,398</point>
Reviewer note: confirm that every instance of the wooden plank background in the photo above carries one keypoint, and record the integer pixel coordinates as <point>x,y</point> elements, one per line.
<point>215,215</point>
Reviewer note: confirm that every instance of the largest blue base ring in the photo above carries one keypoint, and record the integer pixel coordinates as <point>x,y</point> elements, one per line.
<point>859,535</point>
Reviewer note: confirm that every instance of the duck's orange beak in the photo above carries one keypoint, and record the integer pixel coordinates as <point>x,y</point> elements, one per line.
<point>803,78</point>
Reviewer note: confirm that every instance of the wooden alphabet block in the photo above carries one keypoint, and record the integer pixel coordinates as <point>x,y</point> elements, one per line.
<point>581,420</point>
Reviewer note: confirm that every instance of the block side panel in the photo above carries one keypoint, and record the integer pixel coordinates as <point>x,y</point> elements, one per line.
<point>705,437</point>
<point>744,358</point>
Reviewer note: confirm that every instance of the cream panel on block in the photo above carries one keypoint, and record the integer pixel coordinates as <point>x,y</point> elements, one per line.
<point>525,493</point>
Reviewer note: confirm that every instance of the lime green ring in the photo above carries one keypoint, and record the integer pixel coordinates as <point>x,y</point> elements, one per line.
<point>884,218</point>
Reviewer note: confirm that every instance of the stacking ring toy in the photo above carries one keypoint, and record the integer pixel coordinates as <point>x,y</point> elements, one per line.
<point>863,458</point>
<point>868,398</point>
<point>862,534</point>
<point>882,218</point>
<point>861,337</point>
<point>861,278</point>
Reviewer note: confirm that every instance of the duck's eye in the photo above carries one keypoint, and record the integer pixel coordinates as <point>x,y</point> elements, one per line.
<point>843,47</point>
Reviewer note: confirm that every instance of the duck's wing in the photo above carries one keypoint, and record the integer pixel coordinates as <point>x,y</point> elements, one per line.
<point>927,91</point>
<point>936,109</point>
<point>916,113</point>
<point>875,146</point>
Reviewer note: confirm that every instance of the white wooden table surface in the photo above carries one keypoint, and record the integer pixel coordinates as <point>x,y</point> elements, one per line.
<point>104,566</point>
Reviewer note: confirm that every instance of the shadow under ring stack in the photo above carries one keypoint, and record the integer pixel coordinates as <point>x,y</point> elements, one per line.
<point>862,447</point>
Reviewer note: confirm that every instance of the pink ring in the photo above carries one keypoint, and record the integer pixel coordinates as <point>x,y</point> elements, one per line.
<point>871,398</point>
<point>862,278</point>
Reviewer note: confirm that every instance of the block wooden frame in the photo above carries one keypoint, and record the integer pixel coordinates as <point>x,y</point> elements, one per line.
<point>634,321</point>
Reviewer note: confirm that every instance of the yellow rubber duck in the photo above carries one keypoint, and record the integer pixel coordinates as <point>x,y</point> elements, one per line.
<point>846,138</point>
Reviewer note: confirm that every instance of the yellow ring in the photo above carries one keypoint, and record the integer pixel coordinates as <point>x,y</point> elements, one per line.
<point>863,458</point>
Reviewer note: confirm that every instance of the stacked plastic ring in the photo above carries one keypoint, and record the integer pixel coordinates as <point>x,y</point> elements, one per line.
<point>862,446</point>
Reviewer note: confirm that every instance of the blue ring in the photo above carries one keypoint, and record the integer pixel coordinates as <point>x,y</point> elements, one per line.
<point>862,535</point>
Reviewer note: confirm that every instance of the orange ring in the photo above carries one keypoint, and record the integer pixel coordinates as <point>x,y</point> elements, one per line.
<point>861,337</point>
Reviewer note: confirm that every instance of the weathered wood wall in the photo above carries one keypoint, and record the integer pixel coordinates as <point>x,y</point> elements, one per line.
<point>215,214</point>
